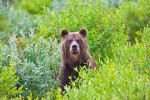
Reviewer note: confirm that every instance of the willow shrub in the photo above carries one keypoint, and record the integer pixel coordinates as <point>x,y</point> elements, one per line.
<point>123,69</point>
<point>34,6</point>
<point>8,82</point>
<point>37,61</point>
<point>135,16</point>
<point>13,20</point>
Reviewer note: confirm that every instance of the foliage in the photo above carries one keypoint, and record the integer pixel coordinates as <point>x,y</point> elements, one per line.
<point>135,16</point>
<point>35,6</point>
<point>8,80</point>
<point>3,20</point>
<point>113,27</point>
<point>12,21</point>
<point>36,60</point>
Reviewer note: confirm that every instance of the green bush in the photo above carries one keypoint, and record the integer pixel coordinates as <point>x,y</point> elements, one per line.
<point>8,80</point>
<point>34,6</point>
<point>135,16</point>
<point>12,21</point>
<point>3,21</point>
<point>123,69</point>
<point>37,62</point>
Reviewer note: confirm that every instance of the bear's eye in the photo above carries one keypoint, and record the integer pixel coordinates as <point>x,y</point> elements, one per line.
<point>79,41</point>
<point>69,41</point>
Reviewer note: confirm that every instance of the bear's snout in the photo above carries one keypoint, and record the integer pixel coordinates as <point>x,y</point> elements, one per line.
<point>74,48</point>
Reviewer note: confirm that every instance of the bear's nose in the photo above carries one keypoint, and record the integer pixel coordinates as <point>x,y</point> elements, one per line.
<point>74,47</point>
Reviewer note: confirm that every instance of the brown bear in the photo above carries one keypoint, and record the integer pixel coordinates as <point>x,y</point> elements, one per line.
<point>74,54</point>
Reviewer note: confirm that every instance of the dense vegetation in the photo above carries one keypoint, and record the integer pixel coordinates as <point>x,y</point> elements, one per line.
<point>118,37</point>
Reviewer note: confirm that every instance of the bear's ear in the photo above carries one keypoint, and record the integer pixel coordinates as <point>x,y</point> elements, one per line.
<point>83,32</point>
<point>63,32</point>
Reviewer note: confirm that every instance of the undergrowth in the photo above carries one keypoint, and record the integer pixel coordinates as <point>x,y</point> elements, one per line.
<point>118,38</point>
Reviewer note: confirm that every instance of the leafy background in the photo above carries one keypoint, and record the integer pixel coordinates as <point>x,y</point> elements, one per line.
<point>118,37</point>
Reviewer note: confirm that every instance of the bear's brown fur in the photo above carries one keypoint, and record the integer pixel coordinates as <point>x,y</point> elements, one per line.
<point>74,54</point>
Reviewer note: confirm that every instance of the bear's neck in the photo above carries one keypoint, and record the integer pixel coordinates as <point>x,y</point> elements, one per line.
<point>75,61</point>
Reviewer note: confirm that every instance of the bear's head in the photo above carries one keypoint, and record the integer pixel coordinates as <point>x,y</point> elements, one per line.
<point>74,43</point>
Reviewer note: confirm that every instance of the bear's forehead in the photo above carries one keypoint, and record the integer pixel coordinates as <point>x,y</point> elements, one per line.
<point>74,35</point>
